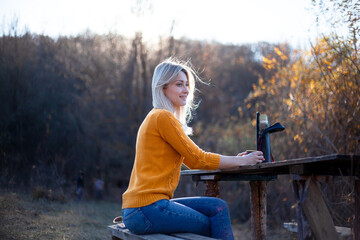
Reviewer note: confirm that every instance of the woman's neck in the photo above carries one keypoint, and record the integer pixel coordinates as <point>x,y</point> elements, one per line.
<point>177,112</point>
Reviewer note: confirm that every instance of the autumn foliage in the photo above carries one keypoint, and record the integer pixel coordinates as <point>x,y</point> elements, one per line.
<point>75,103</point>
<point>315,93</point>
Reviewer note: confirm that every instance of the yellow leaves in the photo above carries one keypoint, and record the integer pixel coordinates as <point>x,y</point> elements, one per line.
<point>254,87</point>
<point>322,86</point>
<point>269,63</point>
<point>298,138</point>
<point>352,85</point>
<point>328,64</point>
<point>240,111</point>
<point>261,83</point>
<point>288,102</point>
<point>321,47</point>
<point>284,57</point>
<point>316,50</point>
<point>272,81</point>
<point>280,54</point>
<point>312,85</point>
<point>267,60</point>
<point>253,122</point>
<point>294,67</point>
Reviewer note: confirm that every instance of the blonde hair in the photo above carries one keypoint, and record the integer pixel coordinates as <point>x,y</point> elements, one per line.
<point>164,74</point>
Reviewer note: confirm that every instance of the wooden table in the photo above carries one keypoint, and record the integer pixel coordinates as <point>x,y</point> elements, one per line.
<point>312,211</point>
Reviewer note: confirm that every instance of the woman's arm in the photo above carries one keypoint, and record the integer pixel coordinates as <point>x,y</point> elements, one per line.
<point>241,159</point>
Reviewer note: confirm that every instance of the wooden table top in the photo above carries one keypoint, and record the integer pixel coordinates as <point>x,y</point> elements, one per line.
<point>335,165</point>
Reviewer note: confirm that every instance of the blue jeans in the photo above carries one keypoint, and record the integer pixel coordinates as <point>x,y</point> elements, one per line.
<point>206,216</point>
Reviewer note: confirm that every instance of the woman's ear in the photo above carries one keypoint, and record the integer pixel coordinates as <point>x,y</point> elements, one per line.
<point>164,88</point>
<point>164,92</point>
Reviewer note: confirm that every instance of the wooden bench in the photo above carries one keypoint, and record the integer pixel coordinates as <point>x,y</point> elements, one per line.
<point>118,232</point>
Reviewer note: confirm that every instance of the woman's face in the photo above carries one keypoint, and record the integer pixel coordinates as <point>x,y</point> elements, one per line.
<point>177,91</point>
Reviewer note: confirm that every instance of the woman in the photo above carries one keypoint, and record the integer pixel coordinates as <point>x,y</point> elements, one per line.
<point>162,147</point>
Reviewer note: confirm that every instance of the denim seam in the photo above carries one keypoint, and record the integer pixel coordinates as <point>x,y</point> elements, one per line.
<point>187,215</point>
<point>199,202</point>
<point>147,220</point>
<point>132,214</point>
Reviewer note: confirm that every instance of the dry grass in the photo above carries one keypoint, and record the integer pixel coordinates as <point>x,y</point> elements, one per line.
<point>24,218</point>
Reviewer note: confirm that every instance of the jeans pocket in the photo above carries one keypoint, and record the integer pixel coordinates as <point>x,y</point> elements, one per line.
<point>135,220</point>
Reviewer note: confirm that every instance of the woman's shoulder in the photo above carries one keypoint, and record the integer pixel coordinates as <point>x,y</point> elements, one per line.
<point>160,112</point>
<point>162,115</point>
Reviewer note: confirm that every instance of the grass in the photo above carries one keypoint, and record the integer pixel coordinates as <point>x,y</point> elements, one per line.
<point>22,217</point>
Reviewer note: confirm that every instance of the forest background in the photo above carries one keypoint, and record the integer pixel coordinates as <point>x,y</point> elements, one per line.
<point>75,103</point>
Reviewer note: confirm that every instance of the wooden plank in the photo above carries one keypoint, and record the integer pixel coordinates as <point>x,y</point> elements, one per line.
<point>336,164</point>
<point>258,193</point>
<point>317,213</point>
<point>296,169</point>
<point>191,236</point>
<point>233,177</point>
<point>125,234</point>
<point>274,165</point>
<point>207,178</point>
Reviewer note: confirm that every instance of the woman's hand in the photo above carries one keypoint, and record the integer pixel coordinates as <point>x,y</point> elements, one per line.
<point>251,158</point>
<point>242,159</point>
<point>242,154</point>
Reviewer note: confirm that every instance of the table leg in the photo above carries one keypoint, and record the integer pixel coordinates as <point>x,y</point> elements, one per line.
<point>258,209</point>
<point>316,211</point>
<point>356,226</point>
<point>303,229</point>
<point>212,188</point>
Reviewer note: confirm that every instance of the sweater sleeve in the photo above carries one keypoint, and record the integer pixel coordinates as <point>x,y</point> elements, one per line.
<point>195,158</point>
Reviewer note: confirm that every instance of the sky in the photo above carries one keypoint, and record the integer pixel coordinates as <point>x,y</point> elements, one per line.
<point>225,21</point>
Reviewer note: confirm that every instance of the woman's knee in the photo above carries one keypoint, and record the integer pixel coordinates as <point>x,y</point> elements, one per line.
<point>221,205</point>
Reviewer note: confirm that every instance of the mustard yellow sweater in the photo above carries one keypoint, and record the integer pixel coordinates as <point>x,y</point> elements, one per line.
<point>161,147</point>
